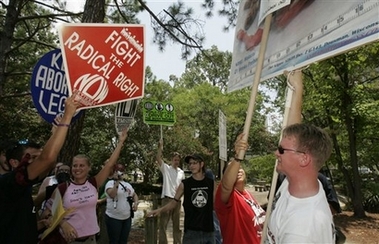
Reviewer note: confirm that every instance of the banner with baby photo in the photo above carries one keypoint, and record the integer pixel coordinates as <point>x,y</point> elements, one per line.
<point>301,33</point>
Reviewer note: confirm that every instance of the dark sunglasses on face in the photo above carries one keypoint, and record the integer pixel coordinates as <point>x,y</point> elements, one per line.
<point>281,150</point>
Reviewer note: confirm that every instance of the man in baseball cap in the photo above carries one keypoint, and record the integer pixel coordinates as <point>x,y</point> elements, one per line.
<point>198,192</point>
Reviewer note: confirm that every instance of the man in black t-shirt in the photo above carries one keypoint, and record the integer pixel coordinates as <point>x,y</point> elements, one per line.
<point>198,192</point>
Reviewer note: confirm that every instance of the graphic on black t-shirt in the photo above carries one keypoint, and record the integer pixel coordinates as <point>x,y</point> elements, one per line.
<point>199,198</point>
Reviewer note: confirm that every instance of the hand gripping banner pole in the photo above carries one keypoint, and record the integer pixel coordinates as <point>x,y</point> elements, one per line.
<point>257,77</point>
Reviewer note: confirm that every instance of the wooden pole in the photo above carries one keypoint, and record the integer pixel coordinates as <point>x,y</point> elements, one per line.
<point>151,230</point>
<point>257,78</point>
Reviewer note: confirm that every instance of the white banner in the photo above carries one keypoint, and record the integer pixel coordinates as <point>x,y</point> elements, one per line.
<point>268,7</point>
<point>302,33</point>
<point>222,136</point>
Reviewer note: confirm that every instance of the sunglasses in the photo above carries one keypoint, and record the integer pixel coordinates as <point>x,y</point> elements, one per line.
<point>281,150</point>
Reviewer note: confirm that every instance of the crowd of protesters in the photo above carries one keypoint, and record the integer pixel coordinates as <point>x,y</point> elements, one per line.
<point>223,213</point>
<point>25,219</point>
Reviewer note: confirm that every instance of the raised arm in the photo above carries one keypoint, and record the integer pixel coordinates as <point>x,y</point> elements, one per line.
<point>171,204</point>
<point>53,146</point>
<point>108,167</point>
<point>230,176</point>
<point>296,81</point>
<point>112,191</point>
<point>159,159</point>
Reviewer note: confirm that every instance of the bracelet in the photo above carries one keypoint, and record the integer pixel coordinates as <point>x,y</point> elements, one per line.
<point>64,125</point>
<point>237,159</point>
<point>176,200</point>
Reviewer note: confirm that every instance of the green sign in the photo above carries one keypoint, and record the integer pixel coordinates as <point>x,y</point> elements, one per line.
<point>158,113</point>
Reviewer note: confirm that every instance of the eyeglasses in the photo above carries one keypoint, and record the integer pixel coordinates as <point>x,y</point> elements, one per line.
<point>281,150</point>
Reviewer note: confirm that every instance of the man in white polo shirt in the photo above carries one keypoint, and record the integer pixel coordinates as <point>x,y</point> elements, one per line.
<point>172,177</point>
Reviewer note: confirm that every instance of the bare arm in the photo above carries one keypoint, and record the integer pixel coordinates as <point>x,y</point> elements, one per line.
<point>53,146</point>
<point>159,153</point>
<point>135,202</point>
<point>296,81</point>
<point>135,197</point>
<point>39,199</point>
<point>230,175</point>
<point>112,192</point>
<point>171,205</point>
<point>108,167</point>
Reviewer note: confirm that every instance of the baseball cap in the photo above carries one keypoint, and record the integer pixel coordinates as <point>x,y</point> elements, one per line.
<point>196,157</point>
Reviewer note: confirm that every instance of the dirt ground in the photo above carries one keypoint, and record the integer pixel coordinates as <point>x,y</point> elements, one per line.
<point>356,230</point>
<point>359,230</point>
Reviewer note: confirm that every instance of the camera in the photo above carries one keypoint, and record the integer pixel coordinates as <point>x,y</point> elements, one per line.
<point>130,201</point>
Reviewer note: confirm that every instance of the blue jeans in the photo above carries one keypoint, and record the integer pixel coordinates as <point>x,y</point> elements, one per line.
<point>216,223</point>
<point>198,237</point>
<point>118,230</point>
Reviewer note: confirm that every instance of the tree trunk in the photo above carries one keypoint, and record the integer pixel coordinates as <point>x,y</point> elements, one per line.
<point>342,168</point>
<point>347,102</point>
<point>72,143</point>
<point>357,188</point>
<point>94,12</point>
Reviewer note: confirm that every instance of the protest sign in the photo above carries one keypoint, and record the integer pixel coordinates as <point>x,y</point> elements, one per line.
<point>267,7</point>
<point>49,86</point>
<point>124,114</point>
<point>159,113</point>
<point>104,62</point>
<point>300,34</point>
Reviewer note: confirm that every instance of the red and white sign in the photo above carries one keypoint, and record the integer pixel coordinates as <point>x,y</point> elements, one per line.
<point>105,63</point>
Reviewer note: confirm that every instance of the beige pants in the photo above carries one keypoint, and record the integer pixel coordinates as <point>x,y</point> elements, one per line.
<point>174,215</point>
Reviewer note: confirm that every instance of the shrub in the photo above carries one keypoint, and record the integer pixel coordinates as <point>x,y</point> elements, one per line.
<point>371,204</point>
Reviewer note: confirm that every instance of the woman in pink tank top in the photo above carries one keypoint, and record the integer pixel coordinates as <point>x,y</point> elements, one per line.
<point>81,225</point>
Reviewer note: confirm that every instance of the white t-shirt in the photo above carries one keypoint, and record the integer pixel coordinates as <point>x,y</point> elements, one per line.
<point>300,220</point>
<point>171,179</point>
<point>118,207</point>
